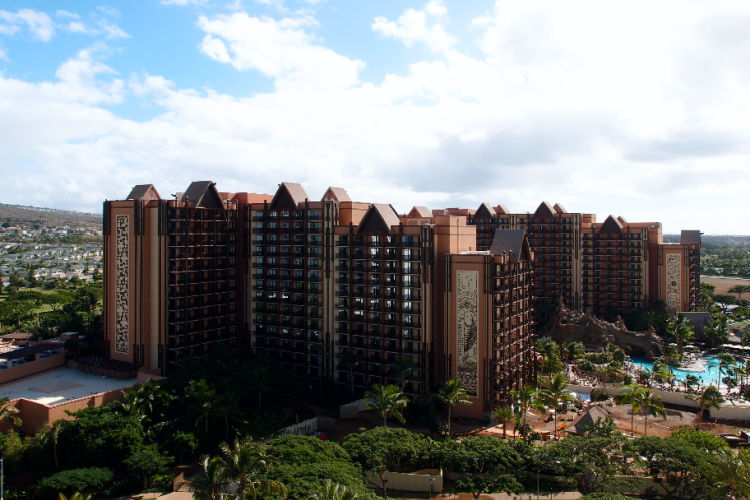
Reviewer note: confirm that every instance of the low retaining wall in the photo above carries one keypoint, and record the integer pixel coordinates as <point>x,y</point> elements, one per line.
<point>309,426</point>
<point>423,481</point>
<point>729,411</point>
<point>31,367</point>
<point>353,409</point>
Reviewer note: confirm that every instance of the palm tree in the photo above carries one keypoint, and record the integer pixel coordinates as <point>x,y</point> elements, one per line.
<point>331,491</point>
<point>661,372</point>
<point>572,351</point>
<point>726,361</point>
<point>717,330</point>
<point>731,476</point>
<point>681,330</point>
<point>9,412</point>
<point>54,434</point>
<point>387,400</point>
<point>524,400</point>
<point>633,398</point>
<point>243,463</point>
<point>710,397</point>
<point>558,393</point>
<point>210,483</point>
<point>201,400</point>
<point>452,394</point>
<point>690,381</point>
<point>503,414</point>
<point>75,496</point>
<point>653,405</point>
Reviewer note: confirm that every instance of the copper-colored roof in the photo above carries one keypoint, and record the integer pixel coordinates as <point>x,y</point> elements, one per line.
<point>485,211</point>
<point>560,209</point>
<point>690,237</point>
<point>610,225</point>
<point>296,191</point>
<point>380,218</point>
<point>509,241</point>
<point>247,198</point>
<point>545,209</point>
<point>420,211</point>
<point>143,192</point>
<point>338,193</point>
<point>502,209</point>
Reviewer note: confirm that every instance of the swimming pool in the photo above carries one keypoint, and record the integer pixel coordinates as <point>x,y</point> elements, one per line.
<point>709,376</point>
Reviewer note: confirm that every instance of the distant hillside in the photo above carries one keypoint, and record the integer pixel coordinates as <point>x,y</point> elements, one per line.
<point>714,240</point>
<point>14,215</point>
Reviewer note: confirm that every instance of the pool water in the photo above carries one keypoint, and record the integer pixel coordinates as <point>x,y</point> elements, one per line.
<point>709,376</point>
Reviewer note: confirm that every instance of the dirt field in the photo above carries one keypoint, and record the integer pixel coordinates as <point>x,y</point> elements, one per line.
<point>723,284</point>
<point>621,416</point>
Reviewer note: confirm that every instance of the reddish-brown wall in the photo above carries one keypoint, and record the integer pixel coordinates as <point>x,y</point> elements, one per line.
<point>31,367</point>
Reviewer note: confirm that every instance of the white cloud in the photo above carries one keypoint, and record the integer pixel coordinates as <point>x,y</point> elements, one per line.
<point>281,49</point>
<point>38,23</point>
<point>604,109</point>
<point>414,26</point>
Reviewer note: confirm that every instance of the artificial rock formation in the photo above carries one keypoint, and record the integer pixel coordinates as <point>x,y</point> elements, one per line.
<point>570,326</point>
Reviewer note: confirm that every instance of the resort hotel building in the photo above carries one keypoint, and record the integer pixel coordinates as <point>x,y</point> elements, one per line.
<point>353,294</point>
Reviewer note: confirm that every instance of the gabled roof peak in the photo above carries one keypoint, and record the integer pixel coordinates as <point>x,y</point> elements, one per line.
<point>545,209</point>
<point>420,211</point>
<point>143,192</point>
<point>379,219</point>
<point>336,194</point>
<point>485,211</point>
<point>611,225</point>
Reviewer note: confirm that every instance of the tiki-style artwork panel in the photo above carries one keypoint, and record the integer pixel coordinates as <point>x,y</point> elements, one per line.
<point>467,330</point>
<point>122,284</point>
<point>674,281</point>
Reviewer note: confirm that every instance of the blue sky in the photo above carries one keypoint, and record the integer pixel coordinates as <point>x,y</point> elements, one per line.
<point>634,109</point>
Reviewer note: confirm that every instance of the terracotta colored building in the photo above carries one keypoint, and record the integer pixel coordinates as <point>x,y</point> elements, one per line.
<point>338,291</point>
<point>608,268</point>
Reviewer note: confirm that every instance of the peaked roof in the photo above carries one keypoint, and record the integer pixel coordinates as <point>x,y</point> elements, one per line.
<point>545,209</point>
<point>485,211</point>
<point>560,209</point>
<point>611,225</point>
<point>511,241</point>
<point>203,194</point>
<point>337,193</point>
<point>690,237</point>
<point>502,209</point>
<point>420,211</point>
<point>144,192</point>
<point>379,219</point>
<point>288,196</point>
<point>590,417</point>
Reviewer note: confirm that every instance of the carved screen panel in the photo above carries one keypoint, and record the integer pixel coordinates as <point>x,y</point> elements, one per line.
<point>122,283</point>
<point>674,281</point>
<point>467,331</point>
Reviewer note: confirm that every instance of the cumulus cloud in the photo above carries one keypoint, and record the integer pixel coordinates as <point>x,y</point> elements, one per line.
<point>418,26</point>
<point>602,108</point>
<point>281,49</point>
<point>38,23</point>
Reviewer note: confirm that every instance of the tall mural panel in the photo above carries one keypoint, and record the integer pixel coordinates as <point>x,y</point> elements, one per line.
<point>674,281</point>
<point>122,284</point>
<point>467,330</point>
